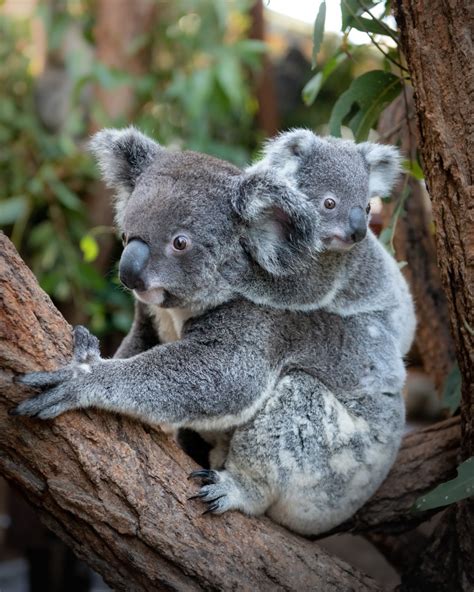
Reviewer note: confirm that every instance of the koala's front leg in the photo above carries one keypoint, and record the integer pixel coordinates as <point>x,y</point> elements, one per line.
<point>208,382</point>
<point>59,396</point>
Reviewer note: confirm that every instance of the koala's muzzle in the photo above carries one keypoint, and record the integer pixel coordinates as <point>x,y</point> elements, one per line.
<point>357,224</point>
<point>133,261</point>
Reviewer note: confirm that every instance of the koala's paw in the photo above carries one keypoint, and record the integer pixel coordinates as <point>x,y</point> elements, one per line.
<point>61,388</point>
<point>215,491</point>
<point>86,346</point>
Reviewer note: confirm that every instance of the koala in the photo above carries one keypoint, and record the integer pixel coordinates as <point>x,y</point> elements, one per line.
<point>300,403</point>
<point>346,270</point>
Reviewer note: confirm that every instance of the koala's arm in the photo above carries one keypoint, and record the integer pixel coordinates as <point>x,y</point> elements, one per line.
<point>142,335</point>
<point>216,375</point>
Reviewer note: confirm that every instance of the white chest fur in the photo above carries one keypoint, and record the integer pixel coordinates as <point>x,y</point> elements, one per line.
<point>169,322</point>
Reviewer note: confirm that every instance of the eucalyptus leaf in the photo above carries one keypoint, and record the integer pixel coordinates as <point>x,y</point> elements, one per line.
<point>371,93</point>
<point>89,248</point>
<point>461,487</point>
<point>353,8</point>
<point>318,33</point>
<point>452,389</point>
<point>370,25</point>
<point>314,85</point>
<point>414,169</point>
<point>12,209</point>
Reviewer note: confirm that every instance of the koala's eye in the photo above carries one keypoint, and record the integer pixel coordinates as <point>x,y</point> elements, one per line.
<point>329,203</point>
<point>124,238</point>
<point>367,209</point>
<point>180,242</point>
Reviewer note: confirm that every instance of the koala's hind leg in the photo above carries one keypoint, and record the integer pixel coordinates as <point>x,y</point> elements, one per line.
<point>233,489</point>
<point>308,459</point>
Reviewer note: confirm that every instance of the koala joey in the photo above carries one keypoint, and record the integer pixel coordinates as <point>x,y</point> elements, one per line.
<point>346,270</point>
<point>302,406</point>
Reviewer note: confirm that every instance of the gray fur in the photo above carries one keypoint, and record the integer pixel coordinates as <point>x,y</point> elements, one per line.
<point>303,407</point>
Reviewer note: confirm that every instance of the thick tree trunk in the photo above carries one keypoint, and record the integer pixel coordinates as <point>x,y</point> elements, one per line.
<point>436,38</point>
<point>414,243</point>
<point>116,490</point>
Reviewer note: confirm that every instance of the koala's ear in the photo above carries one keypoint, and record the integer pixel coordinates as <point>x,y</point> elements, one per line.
<point>286,152</point>
<point>123,155</point>
<point>277,222</point>
<point>384,166</point>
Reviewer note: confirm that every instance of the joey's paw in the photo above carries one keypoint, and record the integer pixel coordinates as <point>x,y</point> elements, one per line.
<point>214,491</point>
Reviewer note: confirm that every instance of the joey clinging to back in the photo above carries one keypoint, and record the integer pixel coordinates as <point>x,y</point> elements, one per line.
<point>345,270</point>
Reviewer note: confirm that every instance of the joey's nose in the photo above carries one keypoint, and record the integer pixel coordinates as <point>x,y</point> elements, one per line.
<point>133,261</point>
<point>357,224</point>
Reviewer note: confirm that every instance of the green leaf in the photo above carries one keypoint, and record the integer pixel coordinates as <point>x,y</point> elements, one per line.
<point>312,88</point>
<point>372,26</point>
<point>461,487</point>
<point>12,209</point>
<point>229,77</point>
<point>353,8</point>
<point>89,248</point>
<point>65,196</point>
<point>371,92</point>
<point>413,168</point>
<point>452,389</point>
<point>318,33</point>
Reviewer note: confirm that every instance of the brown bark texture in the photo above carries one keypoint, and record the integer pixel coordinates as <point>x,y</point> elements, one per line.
<point>116,491</point>
<point>436,39</point>
<point>414,243</point>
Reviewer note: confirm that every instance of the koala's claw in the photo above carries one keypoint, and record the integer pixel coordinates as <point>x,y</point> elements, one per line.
<point>213,491</point>
<point>207,476</point>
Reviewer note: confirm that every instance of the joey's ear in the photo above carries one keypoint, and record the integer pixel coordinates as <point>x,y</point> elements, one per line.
<point>286,152</point>
<point>277,222</point>
<point>123,155</point>
<point>384,166</point>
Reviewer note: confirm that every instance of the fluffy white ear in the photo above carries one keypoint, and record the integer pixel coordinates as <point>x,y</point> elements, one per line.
<point>285,153</point>
<point>278,222</point>
<point>123,155</point>
<point>384,166</point>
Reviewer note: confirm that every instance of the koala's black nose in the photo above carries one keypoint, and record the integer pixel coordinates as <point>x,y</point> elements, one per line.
<point>133,261</point>
<point>357,224</point>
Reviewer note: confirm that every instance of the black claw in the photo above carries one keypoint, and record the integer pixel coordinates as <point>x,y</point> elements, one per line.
<point>212,507</point>
<point>197,496</point>
<point>205,475</point>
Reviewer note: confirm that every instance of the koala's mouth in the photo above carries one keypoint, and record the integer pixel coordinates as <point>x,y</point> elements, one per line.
<point>151,296</point>
<point>337,243</point>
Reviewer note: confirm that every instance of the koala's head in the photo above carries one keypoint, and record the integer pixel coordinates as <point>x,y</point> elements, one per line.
<point>190,222</point>
<point>339,177</point>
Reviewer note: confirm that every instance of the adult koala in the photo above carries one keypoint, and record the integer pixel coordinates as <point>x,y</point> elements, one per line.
<point>304,407</point>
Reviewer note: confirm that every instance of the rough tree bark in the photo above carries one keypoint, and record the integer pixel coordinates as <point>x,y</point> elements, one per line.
<point>414,243</point>
<point>116,491</point>
<point>436,38</point>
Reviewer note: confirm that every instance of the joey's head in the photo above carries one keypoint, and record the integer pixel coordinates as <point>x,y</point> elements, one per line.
<point>339,177</point>
<point>190,222</point>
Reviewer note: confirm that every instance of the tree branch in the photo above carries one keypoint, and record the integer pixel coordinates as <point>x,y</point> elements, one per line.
<point>116,491</point>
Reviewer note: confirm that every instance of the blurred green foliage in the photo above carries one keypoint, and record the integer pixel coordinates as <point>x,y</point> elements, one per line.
<point>196,93</point>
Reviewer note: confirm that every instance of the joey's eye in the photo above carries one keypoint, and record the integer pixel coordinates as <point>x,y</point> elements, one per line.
<point>329,203</point>
<point>367,209</point>
<point>180,242</point>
